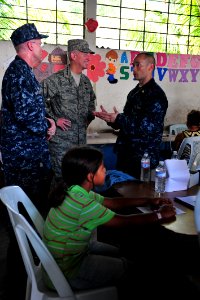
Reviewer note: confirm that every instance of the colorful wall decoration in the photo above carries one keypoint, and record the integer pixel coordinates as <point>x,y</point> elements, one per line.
<point>176,67</point>
<point>57,60</point>
<point>173,67</point>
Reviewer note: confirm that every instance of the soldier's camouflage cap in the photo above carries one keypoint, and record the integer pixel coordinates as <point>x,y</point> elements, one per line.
<point>80,45</point>
<point>26,33</point>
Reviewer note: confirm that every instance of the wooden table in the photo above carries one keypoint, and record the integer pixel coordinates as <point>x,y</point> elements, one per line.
<point>110,138</point>
<point>184,222</point>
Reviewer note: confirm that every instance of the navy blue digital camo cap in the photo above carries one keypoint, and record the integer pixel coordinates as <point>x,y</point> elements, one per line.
<point>26,33</point>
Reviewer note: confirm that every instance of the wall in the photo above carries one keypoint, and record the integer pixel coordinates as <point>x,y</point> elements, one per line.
<point>178,75</point>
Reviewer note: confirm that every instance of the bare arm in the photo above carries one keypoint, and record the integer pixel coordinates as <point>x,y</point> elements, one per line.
<point>164,214</point>
<point>163,211</point>
<point>122,202</point>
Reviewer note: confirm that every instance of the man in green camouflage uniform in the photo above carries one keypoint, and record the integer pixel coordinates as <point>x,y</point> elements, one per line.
<point>70,101</point>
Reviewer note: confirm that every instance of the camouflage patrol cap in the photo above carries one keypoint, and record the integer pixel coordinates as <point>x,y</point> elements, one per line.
<point>26,33</point>
<point>80,45</point>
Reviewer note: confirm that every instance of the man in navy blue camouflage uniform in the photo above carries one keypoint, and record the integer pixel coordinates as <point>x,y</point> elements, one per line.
<point>141,123</point>
<point>24,146</point>
<point>24,133</point>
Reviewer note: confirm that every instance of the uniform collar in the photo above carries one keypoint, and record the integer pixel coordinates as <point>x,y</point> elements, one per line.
<point>77,189</point>
<point>67,72</point>
<point>18,58</point>
<point>147,85</point>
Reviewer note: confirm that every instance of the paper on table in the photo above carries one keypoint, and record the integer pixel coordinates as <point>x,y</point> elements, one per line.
<point>190,200</point>
<point>147,209</point>
<point>179,211</point>
<point>178,175</point>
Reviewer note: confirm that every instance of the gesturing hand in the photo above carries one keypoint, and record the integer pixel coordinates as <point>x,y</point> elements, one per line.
<point>104,115</point>
<point>103,109</point>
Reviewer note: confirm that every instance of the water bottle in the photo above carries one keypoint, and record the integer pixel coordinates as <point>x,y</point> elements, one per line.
<point>160,177</point>
<point>174,155</point>
<point>145,168</point>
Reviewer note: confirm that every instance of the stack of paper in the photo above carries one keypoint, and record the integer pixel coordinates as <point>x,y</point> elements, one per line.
<point>147,209</point>
<point>178,175</point>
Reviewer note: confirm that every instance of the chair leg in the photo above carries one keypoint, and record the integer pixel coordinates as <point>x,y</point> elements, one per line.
<point>28,290</point>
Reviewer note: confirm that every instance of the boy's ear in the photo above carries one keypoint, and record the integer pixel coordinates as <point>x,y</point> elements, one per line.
<point>90,177</point>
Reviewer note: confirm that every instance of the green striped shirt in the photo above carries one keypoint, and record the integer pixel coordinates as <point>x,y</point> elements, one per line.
<point>68,227</point>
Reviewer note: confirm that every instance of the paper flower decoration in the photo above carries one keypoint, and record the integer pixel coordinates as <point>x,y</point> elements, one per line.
<point>95,68</point>
<point>91,25</point>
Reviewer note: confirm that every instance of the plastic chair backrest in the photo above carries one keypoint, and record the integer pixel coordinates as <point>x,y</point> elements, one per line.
<point>194,143</point>
<point>177,128</point>
<point>195,167</point>
<point>11,196</point>
<point>26,235</point>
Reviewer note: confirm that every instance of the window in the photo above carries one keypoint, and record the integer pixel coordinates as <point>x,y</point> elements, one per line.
<point>171,26</point>
<point>60,19</point>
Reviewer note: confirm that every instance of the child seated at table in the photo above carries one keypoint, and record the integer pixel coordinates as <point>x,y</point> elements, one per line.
<point>76,213</point>
<point>193,124</point>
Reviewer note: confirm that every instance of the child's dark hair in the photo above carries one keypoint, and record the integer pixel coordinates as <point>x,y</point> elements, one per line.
<point>193,118</point>
<point>77,163</point>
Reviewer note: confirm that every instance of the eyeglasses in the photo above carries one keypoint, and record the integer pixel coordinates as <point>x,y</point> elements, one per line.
<point>41,44</point>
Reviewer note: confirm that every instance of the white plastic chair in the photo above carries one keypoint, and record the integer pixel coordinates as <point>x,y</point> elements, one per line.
<point>194,143</point>
<point>11,196</point>
<point>174,129</point>
<point>195,171</point>
<point>195,167</point>
<point>177,128</point>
